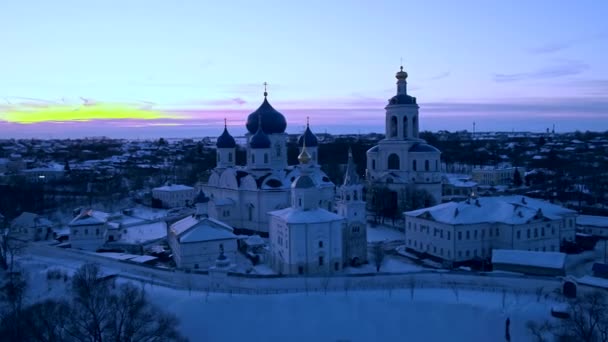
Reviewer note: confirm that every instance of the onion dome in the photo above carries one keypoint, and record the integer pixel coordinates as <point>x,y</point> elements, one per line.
<point>308,137</point>
<point>303,182</point>
<point>272,120</point>
<point>401,75</point>
<point>225,140</point>
<point>421,147</point>
<point>304,157</point>
<point>259,139</point>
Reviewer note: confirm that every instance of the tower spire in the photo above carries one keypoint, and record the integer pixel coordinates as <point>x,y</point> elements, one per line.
<point>225,123</point>
<point>265,90</point>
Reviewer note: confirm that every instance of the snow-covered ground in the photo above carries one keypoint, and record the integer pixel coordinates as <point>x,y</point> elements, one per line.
<point>384,233</point>
<point>432,315</point>
<point>390,264</point>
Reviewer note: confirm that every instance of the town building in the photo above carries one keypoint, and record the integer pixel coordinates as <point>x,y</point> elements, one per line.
<point>457,187</point>
<point>529,262</point>
<point>196,242</point>
<point>30,226</point>
<point>497,175</point>
<point>174,195</point>
<point>88,229</point>
<point>242,196</point>
<point>402,160</point>
<point>306,238</point>
<point>593,225</point>
<point>461,231</point>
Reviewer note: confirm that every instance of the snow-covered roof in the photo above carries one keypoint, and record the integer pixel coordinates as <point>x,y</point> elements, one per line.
<point>90,217</point>
<point>27,219</point>
<point>144,233</point>
<point>458,180</point>
<point>504,209</point>
<point>254,240</point>
<point>294,215</point>
<point>591,220</point>
<point>192,229</point>
<point>173,187</point>
<point>553,260</point>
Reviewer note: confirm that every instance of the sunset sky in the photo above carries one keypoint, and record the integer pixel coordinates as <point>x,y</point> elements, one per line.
<point>145,69</point>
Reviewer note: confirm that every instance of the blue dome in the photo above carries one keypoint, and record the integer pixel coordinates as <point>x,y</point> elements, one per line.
<point>423,148</point>
<point>309,138</point>
<point>259,140</point>
<point>225,140</point>
<point>272,120</point>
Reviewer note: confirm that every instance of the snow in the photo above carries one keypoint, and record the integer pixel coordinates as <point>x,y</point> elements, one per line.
<point>590,220</point>
<point>593,281</point>
<point>143,258</point>
<point>90,217</point>
<point>384,233</point>
<point>293,215</point>
<point>192,229</point>
<point>529,258</point>
<point>144,233</point>
<point>504,209</point>
<point>173,187</point>
<point>432,315</point>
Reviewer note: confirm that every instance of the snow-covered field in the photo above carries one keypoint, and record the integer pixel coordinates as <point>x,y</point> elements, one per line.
<point>432,315</point>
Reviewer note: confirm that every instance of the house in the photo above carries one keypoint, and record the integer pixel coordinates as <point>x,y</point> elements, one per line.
<point>528,262</point>
<point>30,226</point>
<point>593,225</point>
<point>137,237</point>
<point>174,195</point>
<point>455,232</point>
<point>88,229</point>
<point>196,242</point>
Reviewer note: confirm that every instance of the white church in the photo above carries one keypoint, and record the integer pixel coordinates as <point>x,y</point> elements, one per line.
<point>242,196</point>
<point>402,161</point>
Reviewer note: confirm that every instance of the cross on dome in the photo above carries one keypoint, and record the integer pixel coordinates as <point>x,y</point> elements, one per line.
<point>265,90</point>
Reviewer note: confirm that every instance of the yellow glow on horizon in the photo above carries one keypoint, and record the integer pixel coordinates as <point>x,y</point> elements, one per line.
<point>63,113</point>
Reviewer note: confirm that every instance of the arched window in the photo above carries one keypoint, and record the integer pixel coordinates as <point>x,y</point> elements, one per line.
<point>426,165</point>
<point>393,127</point>
<point>415,126</point>
<point>355,196</point>
<point>405,127</point>
<point>230,157</point>
<point>373,164</point>
<point>414,166</point>
<point>299,202</point>
<point>393,162</point>
<point>436,165</point>
<point>265,158</point>
<point>277,147</point>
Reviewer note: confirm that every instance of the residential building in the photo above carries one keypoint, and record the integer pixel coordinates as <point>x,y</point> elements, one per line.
<point>174,195</point>
<point>88,229</point>
<point>471,229</point>
<point>593,225</point>
<point>30,226</point>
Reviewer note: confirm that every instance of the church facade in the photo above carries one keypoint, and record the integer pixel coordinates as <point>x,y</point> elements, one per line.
<point>242,195</point>
<point>402,161</point>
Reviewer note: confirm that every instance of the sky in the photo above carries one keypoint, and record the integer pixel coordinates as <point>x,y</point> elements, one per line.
<point>148,68</point>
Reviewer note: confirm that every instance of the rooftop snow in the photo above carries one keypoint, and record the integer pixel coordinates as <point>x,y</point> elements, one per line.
<point>90,217</point>
<point>504,209</point>
<point>174,187</point>
<point>293,215</point>
<point>191,229</point>
<point>144,233</point>
<point>590,220</point>
<point>553,260</point>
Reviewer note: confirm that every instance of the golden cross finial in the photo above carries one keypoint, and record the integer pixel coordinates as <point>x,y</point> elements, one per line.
<point>265,91</point>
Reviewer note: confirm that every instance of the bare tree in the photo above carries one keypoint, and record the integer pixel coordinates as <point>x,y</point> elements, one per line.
<point>588,319</point>
<point>10,246</point>
<point>379,254</point>
<point>541,332</point>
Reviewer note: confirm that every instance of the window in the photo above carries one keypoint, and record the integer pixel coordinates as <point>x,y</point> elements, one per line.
<point>299,202</point>
<point>320,261</point>
<point>436,165</point>
<point>414,166</point>
<point>300,270</point>
<point>393,162</point>
<point>518,234</point>
<point>528,233</point>
<point>97,231</point>
<point>265,158</point>
<point>405,135</point>
<point>552,230</point>
<point>441,234</point>
<point>497,232</point>
<point>468,235</point>
<point>337,266</point>
<point>409,225</point>
<point>475,234</point>
<point>441,251</point>
<point>449,235</point>
<point>320,244</point>
<point>393,126</point>
<point>483,233</point>
<point>542,231</point>
<point>535,232</point>
<point>278,151</point>
<point>426,165</point>
<point>490,231</point>
<point>468,253</point>
<point>230,157</point>
<point>86,232</point>
<point>250,212</point>
<point>355,229</point>
<point>459,235</point>
<point>373,164</point>
<point>75,232</point>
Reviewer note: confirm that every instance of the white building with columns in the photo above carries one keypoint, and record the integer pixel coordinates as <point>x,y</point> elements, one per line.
<point>242,195</point>
<point>402,160</point>
<point>471,229</point>
<point>306,238</point>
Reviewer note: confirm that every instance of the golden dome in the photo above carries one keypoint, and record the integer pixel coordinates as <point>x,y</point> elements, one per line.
<point>401,75</point>
<point>304,157</point>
